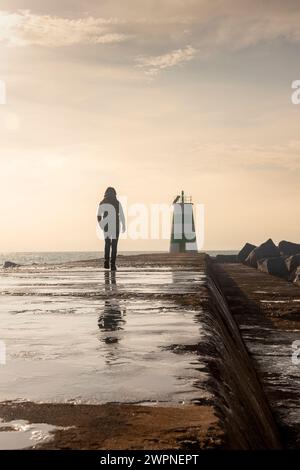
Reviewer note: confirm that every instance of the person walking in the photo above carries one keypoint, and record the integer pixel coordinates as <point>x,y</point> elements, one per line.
<point>110,217</point>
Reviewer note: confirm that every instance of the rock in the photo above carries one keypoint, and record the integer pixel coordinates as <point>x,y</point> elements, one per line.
<point>227,259</point>
<point>10,264</point>
<point>292,263</point>
<point>297,277</point>
<point>274,266</point>
<point>267,249</point>
<point>245,252</point>
<point>289,248</point>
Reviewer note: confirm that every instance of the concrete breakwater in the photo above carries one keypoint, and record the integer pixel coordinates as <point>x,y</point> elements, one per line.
<point>267,312</point>
<point>240,400</point>
<point>160,339</point>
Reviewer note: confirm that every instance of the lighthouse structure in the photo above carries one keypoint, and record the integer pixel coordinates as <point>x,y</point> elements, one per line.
<point>183,236</point>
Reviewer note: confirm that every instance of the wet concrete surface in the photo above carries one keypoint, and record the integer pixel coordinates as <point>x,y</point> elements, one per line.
<point>101,353</point>
<point>119,426</point>
<point>95,336</point>
<point>267,311</point>
<point>148,358</point>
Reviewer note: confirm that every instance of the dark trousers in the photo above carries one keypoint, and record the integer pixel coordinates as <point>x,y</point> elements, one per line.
<point>111,246</point>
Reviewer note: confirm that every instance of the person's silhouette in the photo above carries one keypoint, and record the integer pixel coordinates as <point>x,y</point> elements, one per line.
<point>110,216</point>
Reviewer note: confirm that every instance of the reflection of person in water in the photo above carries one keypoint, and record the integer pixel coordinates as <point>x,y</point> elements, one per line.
<point>112,317</point>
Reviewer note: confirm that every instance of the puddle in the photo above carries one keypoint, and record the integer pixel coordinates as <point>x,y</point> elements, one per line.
<point>111,347</point>
<point>20,434</point>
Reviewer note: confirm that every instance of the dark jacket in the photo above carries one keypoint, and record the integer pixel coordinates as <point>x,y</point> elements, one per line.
<point>110,215</point>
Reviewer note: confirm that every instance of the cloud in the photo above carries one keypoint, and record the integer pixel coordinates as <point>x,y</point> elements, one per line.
<point>165,25</point>
<point>24,28</point>
<point>154,64</point>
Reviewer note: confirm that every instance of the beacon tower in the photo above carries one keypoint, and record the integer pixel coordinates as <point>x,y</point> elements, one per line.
<point>183,236</point>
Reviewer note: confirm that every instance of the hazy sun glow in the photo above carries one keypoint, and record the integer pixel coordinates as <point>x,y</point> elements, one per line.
<point>152,98</point>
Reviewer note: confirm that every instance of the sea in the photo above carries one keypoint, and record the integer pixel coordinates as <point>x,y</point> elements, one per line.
<point>54,257</point>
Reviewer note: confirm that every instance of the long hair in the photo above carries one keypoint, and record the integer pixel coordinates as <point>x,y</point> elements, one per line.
<point>110,193</point>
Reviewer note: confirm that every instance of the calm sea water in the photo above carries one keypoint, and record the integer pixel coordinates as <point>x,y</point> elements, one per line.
<point>65,256</point>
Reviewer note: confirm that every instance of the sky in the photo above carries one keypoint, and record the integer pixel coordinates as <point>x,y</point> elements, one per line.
<point>151,97</point>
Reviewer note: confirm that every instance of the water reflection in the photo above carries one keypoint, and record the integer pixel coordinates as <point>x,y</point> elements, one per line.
<point>112,318</point>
